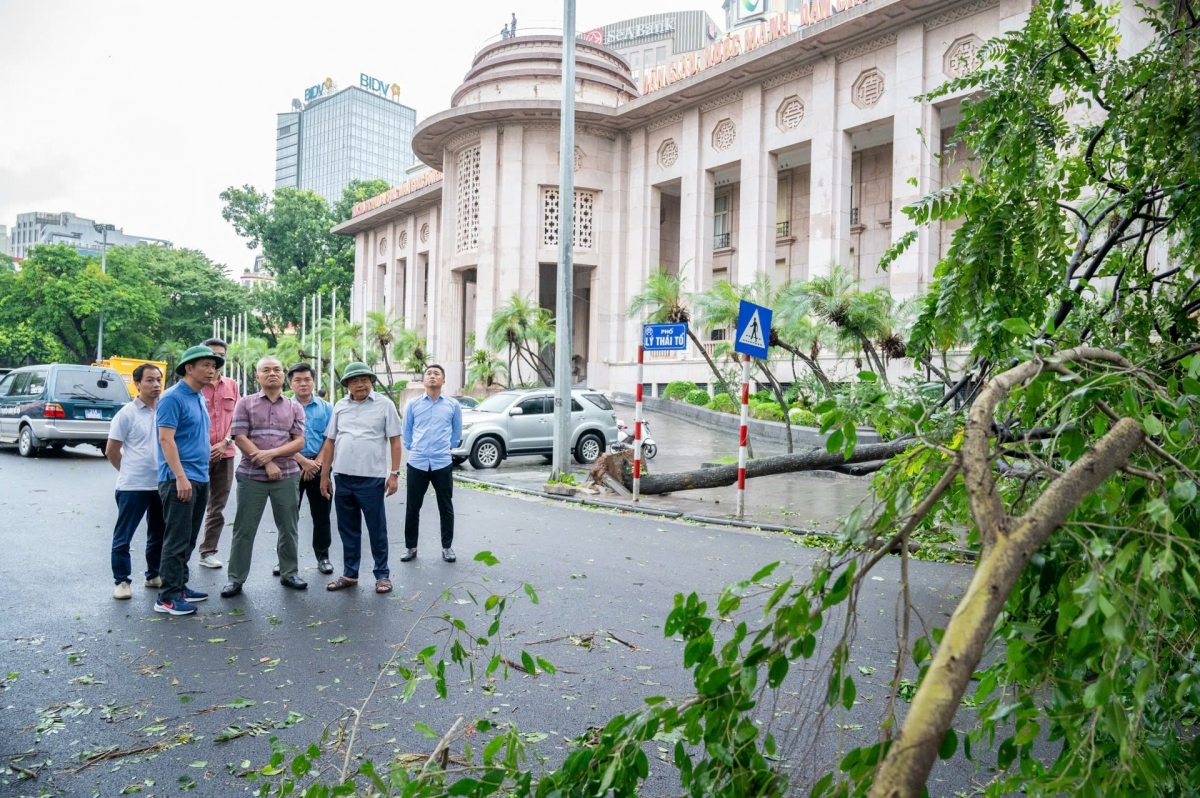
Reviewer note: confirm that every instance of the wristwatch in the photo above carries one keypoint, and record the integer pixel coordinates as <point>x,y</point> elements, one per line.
<point>395,473</point>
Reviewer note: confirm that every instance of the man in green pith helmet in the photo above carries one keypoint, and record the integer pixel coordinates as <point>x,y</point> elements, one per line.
<point>362,439</point>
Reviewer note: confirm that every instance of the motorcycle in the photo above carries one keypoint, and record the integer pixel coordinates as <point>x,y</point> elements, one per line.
<point>625,440</point>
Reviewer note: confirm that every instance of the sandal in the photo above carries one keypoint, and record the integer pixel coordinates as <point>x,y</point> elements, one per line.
<point>341,583</point>
<point>383,585</point>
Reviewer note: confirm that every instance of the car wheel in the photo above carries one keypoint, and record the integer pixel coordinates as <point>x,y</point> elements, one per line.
<point>549,458</point>
<point>26,443</point>
<point>588,448</point>
<point>486,453</point>
<point>458,460</point>
<point>649,450</point>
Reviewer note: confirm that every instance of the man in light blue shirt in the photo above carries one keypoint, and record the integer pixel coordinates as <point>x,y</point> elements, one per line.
<point>432,427</point>
<point>317,413</point>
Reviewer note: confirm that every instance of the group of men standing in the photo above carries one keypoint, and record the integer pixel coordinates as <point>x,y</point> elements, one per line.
<point>175,453</point>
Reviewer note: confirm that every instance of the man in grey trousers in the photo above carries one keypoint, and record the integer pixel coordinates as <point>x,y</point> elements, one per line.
<point>269,429</point>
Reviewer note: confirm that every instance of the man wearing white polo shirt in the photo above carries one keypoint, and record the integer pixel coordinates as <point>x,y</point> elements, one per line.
<point>133,450</point>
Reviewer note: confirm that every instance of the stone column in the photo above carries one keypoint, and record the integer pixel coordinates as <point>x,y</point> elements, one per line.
<point>626,273</point>
<point>758,194</point>
<point>362,249</point>
<point>412,264</point>
<point>695,207</point>
<point>829,197</point>
<point>499,276</point>
<point>915,140</point>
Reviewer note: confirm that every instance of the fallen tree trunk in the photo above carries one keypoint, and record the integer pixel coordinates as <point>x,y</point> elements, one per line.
<point>810,460</point>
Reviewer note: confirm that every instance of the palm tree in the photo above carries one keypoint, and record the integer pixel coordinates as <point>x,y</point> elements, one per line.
<point>894,322</point>
<point>484,367</point>
<point>287,349</point>
<point>170,352</point>
<point>797,330</point>
<point>411,348</point>
<point>855,316</point>
<point>664,296</point>
<point>719,308</point>
<point>383,329</point>
<point>522,328</point>
<point>246,354</point>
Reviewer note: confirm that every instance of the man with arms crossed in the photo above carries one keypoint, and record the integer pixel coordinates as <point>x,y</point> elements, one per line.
<point>269,429</point>
<point>316,419</point>
<point>363,435</point>
<point>432,427</point>
<point>222,396</point>
<point>133,450</point>
<point>183,456</point>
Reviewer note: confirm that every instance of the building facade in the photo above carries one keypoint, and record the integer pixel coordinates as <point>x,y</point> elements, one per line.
<point>789,147</point>
<point>5,241</point>
<point>653,41</point>
<point>361,132</point>
<point>67,228</point>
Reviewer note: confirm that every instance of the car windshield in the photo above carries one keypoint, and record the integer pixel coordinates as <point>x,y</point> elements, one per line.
<point>497,403</point>
<point>93,384</point>
<point>598,400</point>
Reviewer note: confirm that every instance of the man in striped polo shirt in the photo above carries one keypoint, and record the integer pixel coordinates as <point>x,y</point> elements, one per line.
<point>268,428</point>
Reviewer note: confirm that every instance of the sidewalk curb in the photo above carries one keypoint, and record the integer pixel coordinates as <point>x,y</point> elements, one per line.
<point>965,554</point>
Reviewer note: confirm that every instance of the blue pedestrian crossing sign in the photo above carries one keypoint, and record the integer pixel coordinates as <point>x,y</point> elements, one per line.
<point>753,334</point>
<point>664,337</point>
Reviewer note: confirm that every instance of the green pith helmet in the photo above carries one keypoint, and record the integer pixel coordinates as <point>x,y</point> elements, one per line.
<point>197,353</point>
<point>357,370</point>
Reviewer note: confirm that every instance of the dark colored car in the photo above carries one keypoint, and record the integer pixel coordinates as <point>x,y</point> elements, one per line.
<point>59,405</point>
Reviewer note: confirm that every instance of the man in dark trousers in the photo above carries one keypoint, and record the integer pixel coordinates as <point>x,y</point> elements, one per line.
<point>183,457</point>
<point>432,427</point>
<point>362,438</point>
<point>317,413</point>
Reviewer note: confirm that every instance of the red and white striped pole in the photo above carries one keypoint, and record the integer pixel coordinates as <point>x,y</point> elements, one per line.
<point>745,437</point>
<point>637,429</point>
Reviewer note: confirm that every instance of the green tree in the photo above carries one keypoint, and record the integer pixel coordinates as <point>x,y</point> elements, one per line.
<point>665,301</point>
<point>60,293</point>
<point>524,329</point>
<point>292,228</point>
<point>484,368</point>
<point>856,317</point>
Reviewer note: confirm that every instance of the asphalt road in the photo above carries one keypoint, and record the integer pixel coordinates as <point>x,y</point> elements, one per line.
<point>96,672</point>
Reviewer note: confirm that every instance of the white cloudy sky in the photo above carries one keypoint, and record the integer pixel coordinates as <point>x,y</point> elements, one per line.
<point>141,113</point>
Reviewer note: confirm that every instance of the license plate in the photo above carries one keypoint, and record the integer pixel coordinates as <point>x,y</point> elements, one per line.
<point>92,413</point>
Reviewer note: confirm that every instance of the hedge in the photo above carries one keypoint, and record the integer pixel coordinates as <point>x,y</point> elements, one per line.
<point>723,403</point>
<point>680,390</point>
<point>698,397</point>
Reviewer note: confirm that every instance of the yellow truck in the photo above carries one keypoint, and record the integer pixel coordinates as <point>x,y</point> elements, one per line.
<point>125,366</point>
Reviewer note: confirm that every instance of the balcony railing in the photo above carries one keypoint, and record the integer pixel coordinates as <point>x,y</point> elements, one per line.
<point>721,241</point>
<point>783,229</point>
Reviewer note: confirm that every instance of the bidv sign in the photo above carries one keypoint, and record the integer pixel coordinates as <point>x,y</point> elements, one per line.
<point>313,92</point>
<point>378,86</point>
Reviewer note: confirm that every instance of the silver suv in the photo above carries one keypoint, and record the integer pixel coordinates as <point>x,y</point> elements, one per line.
<point>513,423</point>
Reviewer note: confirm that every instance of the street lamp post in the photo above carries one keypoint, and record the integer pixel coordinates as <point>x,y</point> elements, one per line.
<point>566,251</point>
<point>103,230</point>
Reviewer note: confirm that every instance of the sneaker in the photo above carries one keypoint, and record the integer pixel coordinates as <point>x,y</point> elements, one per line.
<point>176,607</point>
<point>211,561</point>
<point>121,591</point>
<point>155,582</point>
<point>193,595</point>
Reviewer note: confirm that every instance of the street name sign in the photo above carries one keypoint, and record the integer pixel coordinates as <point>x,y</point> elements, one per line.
<point>664,337</point>
<point>753,330</point>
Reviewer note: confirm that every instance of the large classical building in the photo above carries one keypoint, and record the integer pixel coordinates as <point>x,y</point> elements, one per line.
<point>784,147</point>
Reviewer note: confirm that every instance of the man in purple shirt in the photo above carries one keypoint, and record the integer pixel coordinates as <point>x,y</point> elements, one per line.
<point>268,428</point>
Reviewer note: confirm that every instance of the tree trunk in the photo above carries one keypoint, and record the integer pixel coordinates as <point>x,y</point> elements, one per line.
<point>811,460</point>
<point>812,364</point>
<point>716,371</point>
<point>873,357</point>
<point>778,389</point>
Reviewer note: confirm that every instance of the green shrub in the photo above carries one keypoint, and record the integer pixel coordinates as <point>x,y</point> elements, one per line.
<point>805,418</point>
<point>767,411</point>
<point>723,403</point>
<point>679,390</point>
<point>698,397</point>
<point>763,396</point>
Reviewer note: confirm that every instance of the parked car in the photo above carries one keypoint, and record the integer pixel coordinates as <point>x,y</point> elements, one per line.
<point>512,423</point>
<point>59,405</point>
<point>467,402</point>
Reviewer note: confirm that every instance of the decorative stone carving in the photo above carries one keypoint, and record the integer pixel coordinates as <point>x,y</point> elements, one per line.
<point>467,195</point>
<point>790,113</point>
<point>962,56</point>
<point>584,227</point>
<point>732,97</point>
<point>659,124</point>
<point>955,14</point>
<point>868,89</point>
<point>866,47</point>
<point>724,134</point>
<point>425,234</point>
<point>402,240</point>
<point>790,75</point>
<point>383,246</point>
<point>668,154</point>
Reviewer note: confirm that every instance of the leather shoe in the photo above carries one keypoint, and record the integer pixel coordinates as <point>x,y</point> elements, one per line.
<point>275,570</point>
<point>409,554</point>
<point>294,582</point>
<point>324,565</point>
<point>232,589</point>
<point>448,555</point>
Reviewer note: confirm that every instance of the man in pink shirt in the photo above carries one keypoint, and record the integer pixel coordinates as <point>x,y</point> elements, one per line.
<point>221,397</point>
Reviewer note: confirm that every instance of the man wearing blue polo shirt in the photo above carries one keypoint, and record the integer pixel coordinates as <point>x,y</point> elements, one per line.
<point>183,454</point>
<point>432,427</point>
